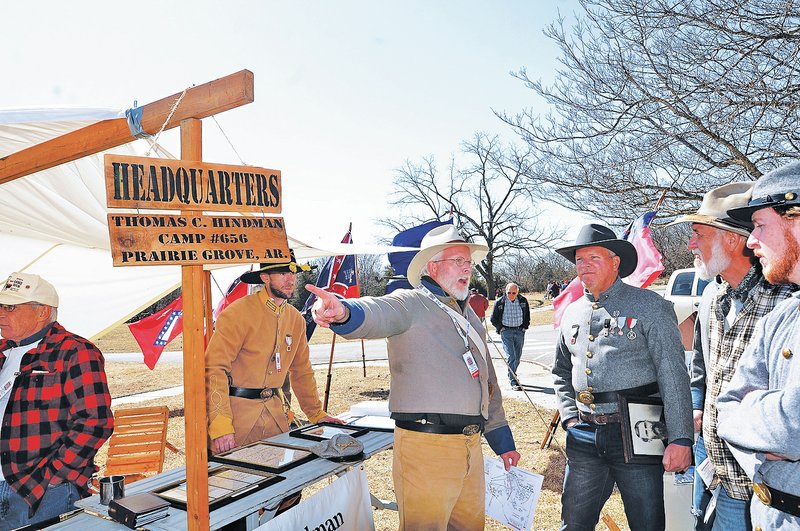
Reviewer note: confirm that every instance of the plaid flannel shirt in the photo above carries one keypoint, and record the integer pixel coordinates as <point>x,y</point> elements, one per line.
<point>726,347</point>
<point>58,415</point>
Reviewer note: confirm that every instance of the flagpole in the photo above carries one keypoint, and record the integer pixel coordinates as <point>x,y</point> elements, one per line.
<point>363,359</point>
<point>328,379</point>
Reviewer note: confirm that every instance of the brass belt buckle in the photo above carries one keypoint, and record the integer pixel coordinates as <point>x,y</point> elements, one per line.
<point>763,493</point>
<point>585,397</point>
<point>472,429</point>
<point>266,393</point>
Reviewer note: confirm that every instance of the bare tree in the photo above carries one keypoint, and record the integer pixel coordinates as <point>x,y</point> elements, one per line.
<point>658,95</point>
<point>489,198</point>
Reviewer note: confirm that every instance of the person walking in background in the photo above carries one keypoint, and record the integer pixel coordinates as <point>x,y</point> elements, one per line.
<point>757,411</point>
<point>511,317</point>
<point>616,339</point>
<point>479,304</point>
<point>727,318</point>
<point>55,402</point>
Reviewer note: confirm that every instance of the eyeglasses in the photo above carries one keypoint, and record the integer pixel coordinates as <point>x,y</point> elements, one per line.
<point>8,308</point>
<point>458,261</point>
<point>511,292</point>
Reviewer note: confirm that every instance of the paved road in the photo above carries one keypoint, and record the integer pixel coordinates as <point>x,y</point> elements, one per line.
<point>539,344</point>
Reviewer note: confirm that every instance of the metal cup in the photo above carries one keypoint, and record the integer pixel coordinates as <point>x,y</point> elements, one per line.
<point>111,488</point>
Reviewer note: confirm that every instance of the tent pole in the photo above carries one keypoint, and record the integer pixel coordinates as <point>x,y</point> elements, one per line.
<point>194,396</point>
<point>328,379</point>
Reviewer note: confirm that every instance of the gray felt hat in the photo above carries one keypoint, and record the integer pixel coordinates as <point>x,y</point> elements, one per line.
<point>780,187</point>
<point>340,447</point>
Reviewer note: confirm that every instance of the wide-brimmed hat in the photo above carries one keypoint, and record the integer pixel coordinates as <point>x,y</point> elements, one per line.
<point>288,266</point>
<point>439,239</point>
<point>779,187</point>
<point>596,235</point>
<point>20,288</point>
<point>716,203</point>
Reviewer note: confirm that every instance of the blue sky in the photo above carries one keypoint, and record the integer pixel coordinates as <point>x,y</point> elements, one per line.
<point>345,91</point>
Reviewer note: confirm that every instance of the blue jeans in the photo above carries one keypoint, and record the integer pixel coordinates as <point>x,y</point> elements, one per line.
<point>57,499</point>
<point>512,344</point>
<point>595,462</point>
<point>731,514</point>
<point>700,496</point>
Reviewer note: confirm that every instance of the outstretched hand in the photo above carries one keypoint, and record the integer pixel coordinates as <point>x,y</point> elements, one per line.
<point>327,309</point>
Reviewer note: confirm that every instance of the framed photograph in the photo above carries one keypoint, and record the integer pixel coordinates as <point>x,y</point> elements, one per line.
<point>226,483</point>
<point>325,430</point>
<point>644,432</point>
<point>263,455</point>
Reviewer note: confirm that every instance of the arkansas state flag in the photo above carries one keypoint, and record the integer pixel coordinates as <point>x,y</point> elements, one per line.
<point>155,331</point>
<point>236,290</point>
<point>648,268</point>
<point>339,275</point>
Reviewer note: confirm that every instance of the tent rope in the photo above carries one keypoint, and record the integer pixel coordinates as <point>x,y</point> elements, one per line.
<point>154,142</point>
<point>229,140</point>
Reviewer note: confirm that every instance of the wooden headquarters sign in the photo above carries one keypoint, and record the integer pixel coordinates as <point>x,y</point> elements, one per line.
<point>192,238</point>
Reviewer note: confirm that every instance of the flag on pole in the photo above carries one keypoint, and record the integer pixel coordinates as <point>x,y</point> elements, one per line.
<point>649,265</point>
<point>154,332</point>
<point>339,275</point>
<point>236,290</point>
<point>399,261</point>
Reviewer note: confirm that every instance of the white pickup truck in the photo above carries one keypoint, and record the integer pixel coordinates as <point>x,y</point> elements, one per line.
<point>684,290</point>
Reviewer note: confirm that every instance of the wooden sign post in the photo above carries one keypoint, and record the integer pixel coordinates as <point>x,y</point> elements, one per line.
<point>184,109</point>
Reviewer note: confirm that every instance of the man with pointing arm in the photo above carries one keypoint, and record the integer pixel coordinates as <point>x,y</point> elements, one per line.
<point>444,390</point>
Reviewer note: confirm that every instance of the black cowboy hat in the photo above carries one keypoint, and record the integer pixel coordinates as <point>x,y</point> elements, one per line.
<point>287,266</point>
<point>596,235</point>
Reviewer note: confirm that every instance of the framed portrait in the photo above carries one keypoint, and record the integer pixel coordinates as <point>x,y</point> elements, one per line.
<point>326,430</point>
<point>644,432</point>
<point>263,455</point>
<point>226,483</point>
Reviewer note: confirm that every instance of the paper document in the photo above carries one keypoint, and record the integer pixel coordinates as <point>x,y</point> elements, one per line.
<point>511,497</point>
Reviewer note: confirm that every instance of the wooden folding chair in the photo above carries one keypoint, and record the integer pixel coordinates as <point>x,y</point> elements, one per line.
<point>137,446</point>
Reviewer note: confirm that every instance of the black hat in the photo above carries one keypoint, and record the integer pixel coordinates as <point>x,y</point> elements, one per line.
<point>287,266</point>
<point>596,235</point>
<point>779,187</point>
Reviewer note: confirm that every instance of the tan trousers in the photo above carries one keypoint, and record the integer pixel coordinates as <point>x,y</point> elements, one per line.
<point>438,481</point>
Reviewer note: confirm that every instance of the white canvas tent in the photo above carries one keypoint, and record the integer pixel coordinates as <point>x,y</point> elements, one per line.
<point>53,223</point>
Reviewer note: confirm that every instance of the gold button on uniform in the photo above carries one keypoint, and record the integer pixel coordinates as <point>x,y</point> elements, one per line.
<point>758,529</point>
<point>595,306</point>
<point>592,406</point>
<point>270,372</point>
<point>786,352</point>
<point>591,338</point>
<point>589,354</point>
<point>588,370</point>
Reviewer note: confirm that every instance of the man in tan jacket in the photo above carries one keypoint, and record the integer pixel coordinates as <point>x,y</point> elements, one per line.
<point>259,340</point>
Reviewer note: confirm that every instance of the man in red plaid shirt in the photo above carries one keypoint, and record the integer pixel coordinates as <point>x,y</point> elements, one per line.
<point>55,403</point>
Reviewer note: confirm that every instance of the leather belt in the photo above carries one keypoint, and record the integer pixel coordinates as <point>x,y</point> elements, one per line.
<point>588,397</point>
<point>253,392</point>
<point>442,429</point>
<point>782,501</point>
<point>600,420</point>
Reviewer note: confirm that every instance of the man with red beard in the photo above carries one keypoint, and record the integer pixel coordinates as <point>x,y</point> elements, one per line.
<point>758,410</point>
<point>444,390</point>
<point>727,317</point>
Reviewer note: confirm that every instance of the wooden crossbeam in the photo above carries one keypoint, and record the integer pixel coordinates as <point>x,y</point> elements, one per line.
<point>199,102</point>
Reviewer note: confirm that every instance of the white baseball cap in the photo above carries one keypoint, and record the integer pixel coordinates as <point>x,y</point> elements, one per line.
<point>20,288</point>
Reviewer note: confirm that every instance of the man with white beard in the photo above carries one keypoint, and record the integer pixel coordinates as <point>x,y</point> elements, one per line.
<point>444,390</point>
<point>728,313</point>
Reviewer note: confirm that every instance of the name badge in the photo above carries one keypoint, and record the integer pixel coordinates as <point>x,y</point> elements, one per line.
<point>278,360</point>
<point>472,367</point>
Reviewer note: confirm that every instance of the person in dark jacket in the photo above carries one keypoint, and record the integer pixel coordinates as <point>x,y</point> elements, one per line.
<point>511,317</point>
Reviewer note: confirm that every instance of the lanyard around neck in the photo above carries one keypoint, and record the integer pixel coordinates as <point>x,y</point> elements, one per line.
<point>449,311</point>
